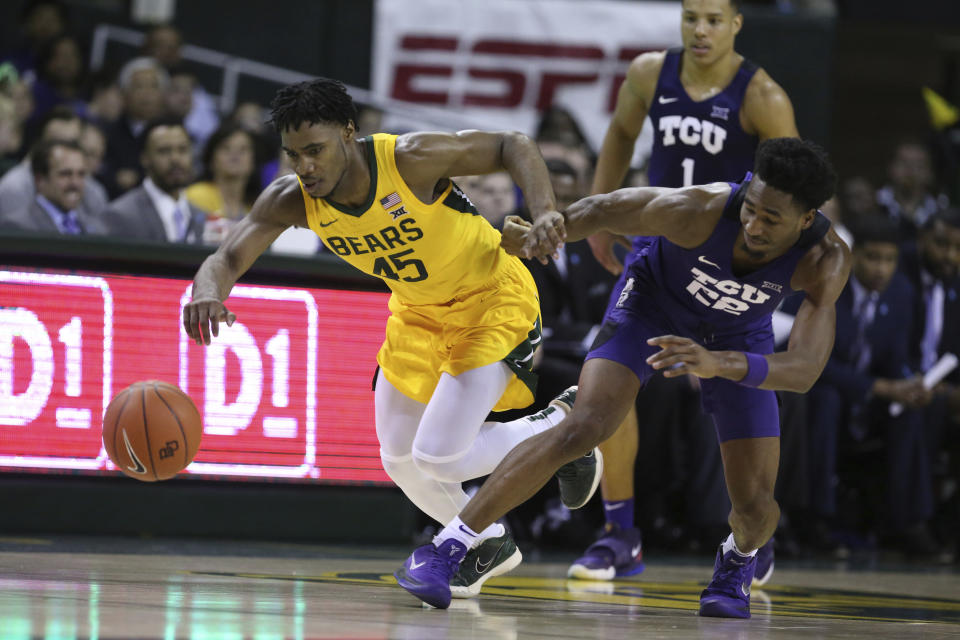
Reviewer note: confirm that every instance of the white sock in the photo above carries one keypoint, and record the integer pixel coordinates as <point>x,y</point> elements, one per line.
<point>470,538</point>
<point>731,545</point>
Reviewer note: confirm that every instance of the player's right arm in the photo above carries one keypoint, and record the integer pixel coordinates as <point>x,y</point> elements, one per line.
<point>278,207</point>
<point>633,104</point>
<point>684,216</point>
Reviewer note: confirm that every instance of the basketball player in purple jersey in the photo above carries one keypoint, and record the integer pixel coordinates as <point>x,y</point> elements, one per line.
<point>697,301</point>
<point>709,108</point>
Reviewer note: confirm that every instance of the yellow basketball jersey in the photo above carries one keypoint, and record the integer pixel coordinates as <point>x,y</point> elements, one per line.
<point>426,253</point>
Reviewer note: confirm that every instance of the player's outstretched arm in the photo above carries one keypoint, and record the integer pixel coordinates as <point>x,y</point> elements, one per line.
<point>425,158</point>
<point>684,216</point>
<point>272,213</point>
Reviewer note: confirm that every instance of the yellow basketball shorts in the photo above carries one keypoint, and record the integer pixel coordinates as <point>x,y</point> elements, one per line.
<point>500,321</point>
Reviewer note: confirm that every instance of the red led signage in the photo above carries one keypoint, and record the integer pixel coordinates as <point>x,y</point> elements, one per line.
<point>284,392</point>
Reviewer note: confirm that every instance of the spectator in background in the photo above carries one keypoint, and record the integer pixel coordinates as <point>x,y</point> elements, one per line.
<point>908,198</point>
<point>143,83</point>
<point>40,21</point>
<point>164,43</point>
<point>59,171</point>
<point>496,197</point>
<point>849,406</point>
<point>253,117</point>
<point>61,72</point>
<point>11,134</point>
<point>230,184</point>
<point>94,143</point>
<point>17,187</point>
<point>935,273</point>
<point>857,199</point>
<point>158,210</point>
<point>105,100</point>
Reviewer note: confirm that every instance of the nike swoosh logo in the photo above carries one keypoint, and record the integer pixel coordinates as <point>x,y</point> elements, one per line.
<point>139,468</point>
<point>704,260</point>
<point>614,507</point>
<point>745,589</point>
<point>665,100</point>
<point>483,566</point>
<point>327,224</point>
<point>472,535</point>
<point>635,550</point>
<point>414,564</point>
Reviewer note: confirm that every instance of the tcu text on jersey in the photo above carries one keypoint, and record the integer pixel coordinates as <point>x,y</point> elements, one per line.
<point>691,132</point>
<point>724,295</point>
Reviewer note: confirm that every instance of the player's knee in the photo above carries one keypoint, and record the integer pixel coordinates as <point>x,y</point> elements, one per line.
<point>399,468</point>
<point>757,506</point>
<point>582,431</point>
<point>441,469</point>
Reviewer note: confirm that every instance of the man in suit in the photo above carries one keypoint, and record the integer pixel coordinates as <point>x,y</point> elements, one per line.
<point>935,273</point>
<point>17,188</point>
<point>867,370</point>
<point>158,210</point>
<point>59,169</point>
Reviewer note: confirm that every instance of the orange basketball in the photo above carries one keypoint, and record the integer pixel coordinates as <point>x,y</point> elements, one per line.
<point>151,430</point>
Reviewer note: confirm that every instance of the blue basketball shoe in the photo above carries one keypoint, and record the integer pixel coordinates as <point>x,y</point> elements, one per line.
<point>429,569</point>
<point>764,564</point>
<point>728,594</point>
<point>617,553</point>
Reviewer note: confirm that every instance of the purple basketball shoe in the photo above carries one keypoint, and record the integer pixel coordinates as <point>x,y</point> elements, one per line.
<point>616,553</point>
<point>429,569</point>
<point>764,564</point>
<point>728,594</point>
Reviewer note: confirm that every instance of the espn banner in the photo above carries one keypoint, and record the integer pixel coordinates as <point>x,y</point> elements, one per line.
<point>284,393</point>
<point>502,62</point>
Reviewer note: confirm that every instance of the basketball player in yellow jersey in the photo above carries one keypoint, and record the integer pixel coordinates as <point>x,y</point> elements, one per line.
<point>464,315</point>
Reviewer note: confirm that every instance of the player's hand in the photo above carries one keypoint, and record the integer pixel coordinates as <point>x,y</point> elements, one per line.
<point>202,317</point>
<point>680,356</point>
<point>514,235</point>
<point>545,237</point>
<point>602,244</point>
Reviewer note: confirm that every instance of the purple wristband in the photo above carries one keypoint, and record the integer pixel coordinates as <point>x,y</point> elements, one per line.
<point>756,369</point>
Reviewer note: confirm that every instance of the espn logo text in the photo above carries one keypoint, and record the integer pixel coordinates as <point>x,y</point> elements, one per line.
<point>501,73</point>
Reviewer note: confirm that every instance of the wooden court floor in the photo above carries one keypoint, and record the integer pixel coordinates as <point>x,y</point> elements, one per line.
<point>68,588</point>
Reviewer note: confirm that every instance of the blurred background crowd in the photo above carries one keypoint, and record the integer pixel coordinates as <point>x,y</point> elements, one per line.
<point>139,149</point>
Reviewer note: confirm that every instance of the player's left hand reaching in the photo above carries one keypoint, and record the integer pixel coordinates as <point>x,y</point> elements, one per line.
<point>680,356</point>
<point>545,236</point>
<point>202,316</point>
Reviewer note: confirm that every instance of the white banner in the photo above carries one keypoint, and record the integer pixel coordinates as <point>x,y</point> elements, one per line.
<point>499,63</point>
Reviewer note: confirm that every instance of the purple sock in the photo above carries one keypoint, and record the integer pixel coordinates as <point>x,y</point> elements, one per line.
<point>619,512</point>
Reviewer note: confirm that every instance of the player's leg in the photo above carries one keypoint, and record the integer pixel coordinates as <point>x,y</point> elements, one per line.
<point>397,420</point>
<point>748,426</point>
<point>750,468</point>
<point>453,441</point>
<point>618,551</point>
<point>606,391</point>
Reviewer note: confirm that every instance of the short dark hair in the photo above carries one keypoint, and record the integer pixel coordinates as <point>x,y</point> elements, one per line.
<point>41,152</point>
<point>949,217</point>
<point>876,228</point>
<point>798,167</point>
<point>734,4</point>
<point>166,121</point>
<point>313,102</point>
<point>59,112</point>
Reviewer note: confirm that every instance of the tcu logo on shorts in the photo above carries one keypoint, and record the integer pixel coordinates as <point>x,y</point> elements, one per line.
<point>692,131</point>
<point>724,295</point>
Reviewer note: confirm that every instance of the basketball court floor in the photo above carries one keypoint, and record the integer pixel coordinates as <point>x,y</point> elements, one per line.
<point>98,588</point>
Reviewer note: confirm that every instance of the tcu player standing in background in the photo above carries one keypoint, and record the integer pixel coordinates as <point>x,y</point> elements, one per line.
<point>710,107</point>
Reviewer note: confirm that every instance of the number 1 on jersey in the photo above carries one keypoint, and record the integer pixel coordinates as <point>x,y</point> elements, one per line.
<point>687,165</point>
